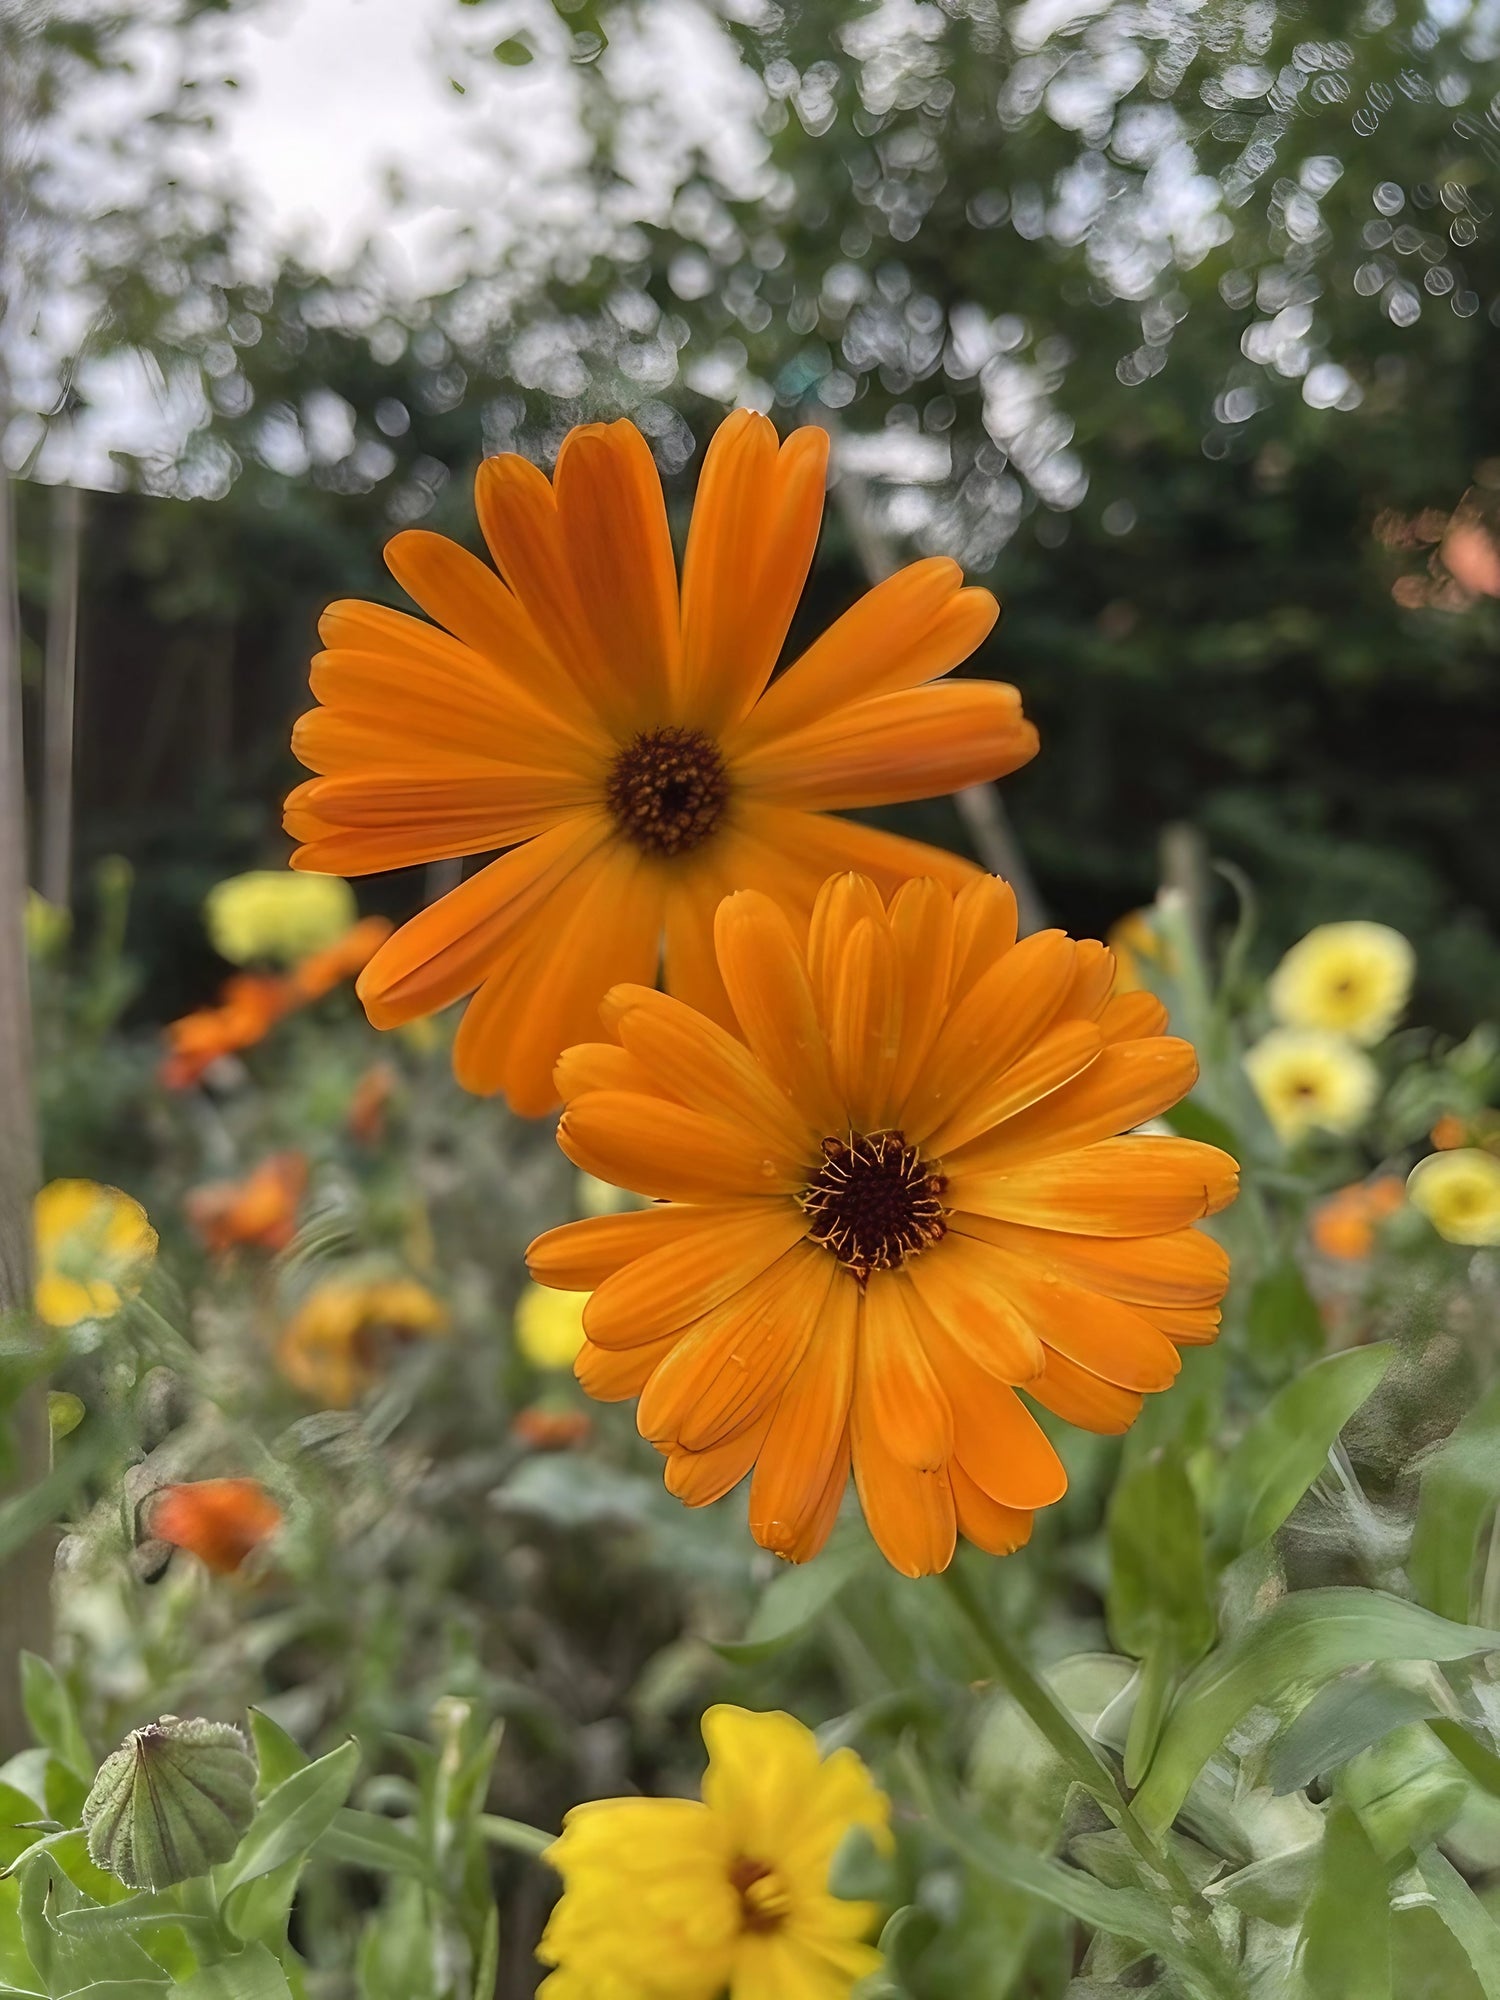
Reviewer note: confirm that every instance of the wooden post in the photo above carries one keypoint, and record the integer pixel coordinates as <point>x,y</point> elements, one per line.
<point>60,680</point>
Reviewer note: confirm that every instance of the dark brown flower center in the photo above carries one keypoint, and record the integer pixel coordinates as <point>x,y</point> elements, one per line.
<point>874,1202</point>
<point>668,790</point>
<point>764,1902</point>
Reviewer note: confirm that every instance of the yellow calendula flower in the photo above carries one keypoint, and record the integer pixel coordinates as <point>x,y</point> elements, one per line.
<point>93,1248</point>
<point>549,1326</point>
<point>1311,1081</point>
<point>273,914</point>
<point>1351,979</point>
<point>670,1899</point>
<point>339,1342</point>
<point>1459,1193</point>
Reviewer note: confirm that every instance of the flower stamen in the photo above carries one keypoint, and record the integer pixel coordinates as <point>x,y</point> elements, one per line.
<point>764,1902</point>
<point>874,1202</point>
<point>668,789</point>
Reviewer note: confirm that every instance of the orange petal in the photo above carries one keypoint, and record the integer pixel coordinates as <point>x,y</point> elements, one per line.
<point>599,1066</point>
<point>961,1286</point>
<point>616,1377</point>
<point>899,746</point>
<point>1131,1017</point>
<point>446,950</point>
<point>1183,1268</point>
<point>1093,979</point>
<point>909,1513</point>
<point>726,1371</point>
<point>689,1275</point>
<point>577,1256</point>
<point>913,627</point>
<point>614,523</point>
<point>766,977</point>
<point>864,1025</point>
<point>1130,1082</point>
<point>704,1066</point>
<point>998,1530</point>
<point>995,1437</point>
<point>698,1478</point>
<point>407,818</point>
<point>755,525</point>
<point>1049,1063</point>
<point>1109,1339</point>
<point>921,920</point>
<point>895,1380</point>
<point>1189,1326</point>
<point>665,1151</point>
<point>1083,1398</point>
<point>985,921</point>
<point>840,904</point>
<point>809,1436</point>
<point>1120,1187</point>
<point>806,848</point>
<point>817,1525</point>
<point>1002,1014</point>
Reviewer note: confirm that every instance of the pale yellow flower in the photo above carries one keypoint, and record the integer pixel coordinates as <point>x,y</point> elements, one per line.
<point>1459,1193</point>
<point>670,1899</point>
<point>276,915</point>
<point>549,1326</point>
<point>1309,1080</point>
<point>1351,979</point>
<point>93,1248</point>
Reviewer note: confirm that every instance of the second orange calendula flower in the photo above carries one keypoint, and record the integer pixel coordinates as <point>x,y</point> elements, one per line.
<point>903,1202</point>
<point>223,1522</point>
<point>623,738</point>
<point>259,1211</point>
<point>342,1337</point>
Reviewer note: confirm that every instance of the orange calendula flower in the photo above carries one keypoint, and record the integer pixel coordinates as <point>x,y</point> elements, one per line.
<point>1345,1225</point>
<point>545,1428</point>
<point>896,1199</point>
<point>624,739</point>
<point>369,1103</point>
<point>258,1211</point>
<point>249,1006</point>
<point>220,1521</point>
<point>1449,1132</point>
<point>341,1339</point>
<point>346,958</point>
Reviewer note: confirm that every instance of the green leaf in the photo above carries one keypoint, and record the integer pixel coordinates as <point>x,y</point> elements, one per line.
<point>252,1974</point>
<point>1287,1446</point>
<point>1459,1489</point>
<point>396,1948</point>
<point>64,1963</point>
<point>1284,1328</point>
<point>277,1755</point>
<point>1347,1929</point>
<point>291,1818</point>
<point>367,1840</point>
<point>795,1598</point>
<point>1296,1646</point>
<point>1466,1917</point>
<point>1158,1607</point>
<point>488,1966</point>
<point>515,52</point>
<point>1341,1720</point>
<point>52,1716</point>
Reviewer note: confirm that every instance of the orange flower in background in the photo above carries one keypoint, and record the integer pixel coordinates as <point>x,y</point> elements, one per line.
<point>1449,1131</point>
<point>220,1521</point>
<point>321,971</point>
<point>369,1103</point>
<point>250,1005</point>
<point>900,1198</point>
<point>340,1341</point>
<point>620,738</point>
<point>546,1429</point>
<point>258,1211</point>
<point>1345,1225</point>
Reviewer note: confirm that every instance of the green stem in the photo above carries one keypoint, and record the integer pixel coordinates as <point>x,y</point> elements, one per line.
<point>514,1834</point>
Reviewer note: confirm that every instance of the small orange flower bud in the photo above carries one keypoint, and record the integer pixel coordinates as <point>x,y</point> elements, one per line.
<point>220,1521</point>
<point>546,1429</point>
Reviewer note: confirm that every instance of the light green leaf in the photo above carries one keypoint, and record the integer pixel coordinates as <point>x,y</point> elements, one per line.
<point>277,1755</point>
<point>252,1974</point>
<point>516,52</point>
<point>794,1599</point>
<point>1295,1647</point>
<point>1287,1446</point>
<point>1347,1929</point>
<point>1285,1331</point>
<point>52,1716</point>
<point>489,1958</point>
<point>1466,1917</point>
<point>64,1963</point>
<point>1159,1607</point>
<point>1341,1720</point>
<point>367,1840</point>
<point>396,1956</point>
<point>1460,1486</point>
<point>291,1818</point>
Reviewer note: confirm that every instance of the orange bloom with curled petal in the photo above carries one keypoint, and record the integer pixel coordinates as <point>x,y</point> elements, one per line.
<point>258,1211</point>
<point>624,740</point>
<point>895,1207</point>
<point>220,1521</point>
<point>1346,1224</point>
<point>345,958</point>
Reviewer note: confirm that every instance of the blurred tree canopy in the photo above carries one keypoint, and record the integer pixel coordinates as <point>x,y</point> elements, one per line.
<point>1176,325</point>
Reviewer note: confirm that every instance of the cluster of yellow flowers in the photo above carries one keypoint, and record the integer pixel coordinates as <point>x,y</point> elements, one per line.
<point>1336,993</point>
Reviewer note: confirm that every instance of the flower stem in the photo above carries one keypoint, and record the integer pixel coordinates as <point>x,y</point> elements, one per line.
<point>514,1834</point>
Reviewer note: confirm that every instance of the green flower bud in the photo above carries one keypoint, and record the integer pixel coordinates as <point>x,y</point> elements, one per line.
<point>171,1802</point>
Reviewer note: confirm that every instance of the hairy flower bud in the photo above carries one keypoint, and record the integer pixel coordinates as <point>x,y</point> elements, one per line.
<point>171,1802</point>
